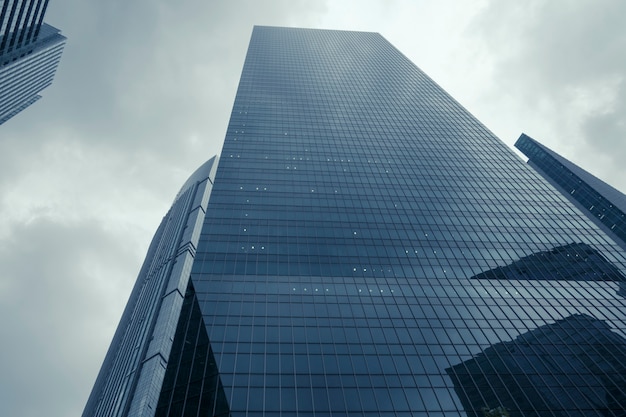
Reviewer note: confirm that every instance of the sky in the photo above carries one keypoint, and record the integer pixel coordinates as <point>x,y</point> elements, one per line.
<point>142,97</point>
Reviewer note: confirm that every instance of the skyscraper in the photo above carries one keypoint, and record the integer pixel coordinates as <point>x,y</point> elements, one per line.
<point>603,204</point>
<point>365,247</point>
<point>30,51</point>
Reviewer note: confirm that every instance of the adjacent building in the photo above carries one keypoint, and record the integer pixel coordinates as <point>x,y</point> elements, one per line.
<point>365,247</point>
<point>603,204</point>
<point>30,51</point>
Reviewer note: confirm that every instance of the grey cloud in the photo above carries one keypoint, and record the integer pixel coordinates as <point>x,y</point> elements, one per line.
<point>556,44</point>
<point>606,130</point>
<point>145,74</point>
<point>55,299</point>
<point>569,55</point>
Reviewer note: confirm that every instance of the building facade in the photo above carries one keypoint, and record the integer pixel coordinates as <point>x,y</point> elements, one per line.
<point>30,52</point>
<point>603,204</point>
<point>366,247</point>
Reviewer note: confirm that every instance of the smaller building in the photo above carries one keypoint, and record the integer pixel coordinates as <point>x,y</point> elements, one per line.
<point>603,204</point>
<point>30,52</point>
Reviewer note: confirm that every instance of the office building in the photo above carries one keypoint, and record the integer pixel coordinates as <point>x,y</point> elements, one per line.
<point>30,51</point>
<point>335,260</point>
<point>603,204</point>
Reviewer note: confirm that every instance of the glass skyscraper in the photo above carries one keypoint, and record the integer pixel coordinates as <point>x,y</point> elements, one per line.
<point>30,52</point>
<point>366,247</point>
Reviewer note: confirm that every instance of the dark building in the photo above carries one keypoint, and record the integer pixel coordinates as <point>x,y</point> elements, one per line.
<point>328,264</point>
<point>602,203</point>
<point>30,51</point>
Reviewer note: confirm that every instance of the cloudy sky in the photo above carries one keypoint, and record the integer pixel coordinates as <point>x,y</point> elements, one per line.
<point>142,97</point>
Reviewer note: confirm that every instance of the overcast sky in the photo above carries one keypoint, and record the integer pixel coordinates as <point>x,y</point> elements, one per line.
<point>142,98</point>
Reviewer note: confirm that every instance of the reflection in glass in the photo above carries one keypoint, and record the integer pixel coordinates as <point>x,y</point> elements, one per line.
<point>573,367</point>
<point>192,384</point>
<point>573,262</point>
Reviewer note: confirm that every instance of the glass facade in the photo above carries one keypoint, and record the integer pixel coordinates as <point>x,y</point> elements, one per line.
<point>30,52</point>
<point>370,249</point>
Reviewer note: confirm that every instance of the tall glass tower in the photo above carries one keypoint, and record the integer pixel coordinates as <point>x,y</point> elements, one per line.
<point>365,247</point>
<point>30,52</point>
